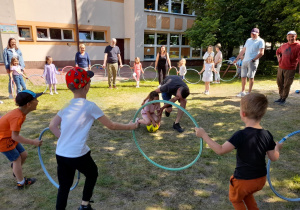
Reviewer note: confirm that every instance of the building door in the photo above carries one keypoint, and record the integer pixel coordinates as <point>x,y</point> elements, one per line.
<point>120,44</point>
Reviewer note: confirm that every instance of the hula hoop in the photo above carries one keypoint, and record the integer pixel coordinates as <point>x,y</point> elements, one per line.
<point>189,70</point>
<point>151,161</point>
<point>45,170</point>
<point>173,67</point>
<point>125,78</point>
<point>268,172</point>
<point>37,75</point>
<point>148,67</point>
<point>228,80</point>
<point>98,68</point>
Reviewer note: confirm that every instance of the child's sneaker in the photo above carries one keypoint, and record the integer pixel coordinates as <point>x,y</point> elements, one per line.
<point>28,181</point>
<point>51,93</point>
<point>241,94</point>
<point>88,207</point>
<point>56,92</point>
<point>206,92</point>
<point>137,86</point>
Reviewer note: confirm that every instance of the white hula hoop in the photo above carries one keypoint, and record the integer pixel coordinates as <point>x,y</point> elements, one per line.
<point>192,70</point>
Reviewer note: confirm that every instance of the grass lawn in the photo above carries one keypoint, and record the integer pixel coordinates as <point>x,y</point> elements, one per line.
<point>127,180</point>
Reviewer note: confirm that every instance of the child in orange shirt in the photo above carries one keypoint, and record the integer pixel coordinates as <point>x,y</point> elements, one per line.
<point>10,139</point>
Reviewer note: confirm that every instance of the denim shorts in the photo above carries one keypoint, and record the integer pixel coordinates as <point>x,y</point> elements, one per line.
<point>249,68</point>
<point>166,97</point>
<point>13,155</point>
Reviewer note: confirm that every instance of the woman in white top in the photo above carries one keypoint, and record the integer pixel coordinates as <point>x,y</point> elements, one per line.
<point>209,52</point>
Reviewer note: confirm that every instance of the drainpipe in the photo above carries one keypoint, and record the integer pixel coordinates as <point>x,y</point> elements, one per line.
<point>76,21</point>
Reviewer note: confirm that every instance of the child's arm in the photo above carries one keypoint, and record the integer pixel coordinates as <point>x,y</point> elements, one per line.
<point>15,136</point>
<point>116,126</point>
<point>202,70</point>
<point>273,155</point>
<point>55,122</point>
<point>217,148</point>
<point>151,118</point>
<point>213,68</point>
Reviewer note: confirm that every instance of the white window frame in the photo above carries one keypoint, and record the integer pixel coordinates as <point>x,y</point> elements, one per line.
<point>48,38</point>
<point>92,36</point>
<point>169,8</point>
<point>24,38</point>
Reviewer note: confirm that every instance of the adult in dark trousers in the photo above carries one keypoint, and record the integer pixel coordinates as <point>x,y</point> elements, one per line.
<point>112,55</point>
<point>161,64</point>
<point>288,56</point>
<point>82,58</point>
<point>254,49</point>
<point>174,86</point>
<point>9,52</point>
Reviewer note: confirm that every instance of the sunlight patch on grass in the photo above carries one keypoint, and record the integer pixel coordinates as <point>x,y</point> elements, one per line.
<point>202,193</point>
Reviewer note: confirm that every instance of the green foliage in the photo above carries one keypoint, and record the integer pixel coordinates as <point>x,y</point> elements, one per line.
<point>230,22</point>
<point>267,68</point>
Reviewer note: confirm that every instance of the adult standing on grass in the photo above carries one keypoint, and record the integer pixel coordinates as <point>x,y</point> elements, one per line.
<point>209,52</point>
<point>174,86</point>
<point>254,49</point>
<point>288,56</point>
<point>218,62</point>
<point>161,63</point>
<point>111,56</point>
<point>82,58</point>
<point>9,52</point>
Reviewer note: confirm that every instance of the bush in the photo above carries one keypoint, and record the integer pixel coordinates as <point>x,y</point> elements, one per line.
<point>267,68</point>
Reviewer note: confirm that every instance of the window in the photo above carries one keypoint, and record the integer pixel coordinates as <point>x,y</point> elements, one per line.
<point>54,34</point>
<point>42,33</point>
<point>176,6</point>
<point>67,34</point>
<point>149,38</point>
<point>177,45</point>
<point>150,4</point>
<point>24,33</point>
<point>93,36</point>
<point>174,39</point>
<point>168,6</point>
<point>85,35</point>
<point>162,39</point>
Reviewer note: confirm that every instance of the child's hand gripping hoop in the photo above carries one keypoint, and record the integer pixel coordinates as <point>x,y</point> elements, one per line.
<point>268,172</point>
<point>45,170</point>
<point>151,161</point>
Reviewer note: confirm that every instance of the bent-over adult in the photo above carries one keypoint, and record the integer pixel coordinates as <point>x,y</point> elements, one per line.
<point>174,86</point>
<point>10,52</point>
<point>161,64</point>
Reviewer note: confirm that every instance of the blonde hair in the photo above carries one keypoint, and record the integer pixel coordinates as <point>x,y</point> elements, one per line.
<point>82,45</point>
<point>13,60</point>
<point>212,59</point>
<point>218,45</point>
<point>182,62</point>
<point>254,105</point>
<point>137,59</point>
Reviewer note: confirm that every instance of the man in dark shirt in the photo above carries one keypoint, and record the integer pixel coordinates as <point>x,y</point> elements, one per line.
<point>252,145</point>
<point>174,86</point>
<point>111,57</point>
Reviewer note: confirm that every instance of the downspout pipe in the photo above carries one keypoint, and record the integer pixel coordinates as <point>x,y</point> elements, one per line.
<point>76,21</point>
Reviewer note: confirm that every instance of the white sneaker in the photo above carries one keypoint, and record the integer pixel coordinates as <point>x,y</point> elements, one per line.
<point>56,92</point>
<point>241,94</point>
<point>10,96</point>
<point>51,93</point>
<point>1,102</point>
<point>137,86</point>
<point>206,93</point>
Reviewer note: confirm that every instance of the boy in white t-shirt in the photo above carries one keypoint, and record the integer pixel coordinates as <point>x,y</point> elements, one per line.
<point>72,153</point>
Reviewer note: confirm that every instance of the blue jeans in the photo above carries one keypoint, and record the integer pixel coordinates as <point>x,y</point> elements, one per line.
<point>18,79</point>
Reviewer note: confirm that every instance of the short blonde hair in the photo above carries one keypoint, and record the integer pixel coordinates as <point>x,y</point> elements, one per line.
<point>82,45</point>
<point>182,61</point>
<point>218,45</point>
<point>212,59</point>
<point>254,105</point>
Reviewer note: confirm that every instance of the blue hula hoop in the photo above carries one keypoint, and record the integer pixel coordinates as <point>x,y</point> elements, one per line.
<point>151,161</point>
<point>45,170</point>
<point>268,172</point>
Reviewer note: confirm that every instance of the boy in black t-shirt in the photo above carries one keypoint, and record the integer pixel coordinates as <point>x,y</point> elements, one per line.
<point>252,144</point>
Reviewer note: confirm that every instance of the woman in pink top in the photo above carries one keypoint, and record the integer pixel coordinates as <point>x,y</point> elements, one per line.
<point>148,112</point>
<point>137,71</point>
